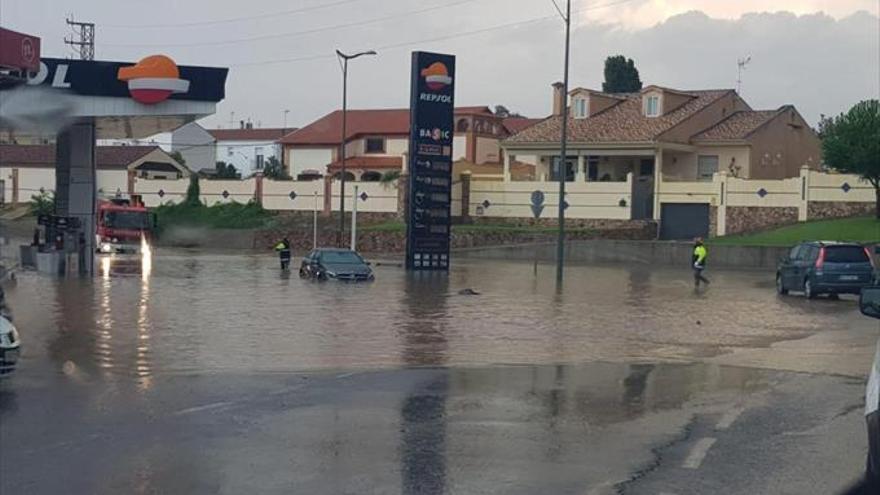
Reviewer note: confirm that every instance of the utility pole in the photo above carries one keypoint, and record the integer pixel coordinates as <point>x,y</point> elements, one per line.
<point>340,236</point>
<point>85,42</point>
<point>740,67</point>
<point>563,159</point>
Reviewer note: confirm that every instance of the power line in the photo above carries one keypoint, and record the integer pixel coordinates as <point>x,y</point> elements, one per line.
<point>461,34</point>
<point>231,19</point>
<point>297,33</point>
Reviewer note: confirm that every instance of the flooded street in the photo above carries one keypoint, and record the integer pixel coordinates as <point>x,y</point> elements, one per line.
<point>213,373</point>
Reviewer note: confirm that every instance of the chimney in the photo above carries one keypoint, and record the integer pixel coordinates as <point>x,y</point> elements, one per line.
<point>558,99</point>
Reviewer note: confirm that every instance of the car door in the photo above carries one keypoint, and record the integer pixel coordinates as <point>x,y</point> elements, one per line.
<point>789,266</point>
<point>806,258</point>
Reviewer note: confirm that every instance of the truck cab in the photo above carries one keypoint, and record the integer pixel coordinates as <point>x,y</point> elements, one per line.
<point>121,226</point>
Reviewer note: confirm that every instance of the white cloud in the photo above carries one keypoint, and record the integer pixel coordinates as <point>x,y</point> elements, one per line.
<point>645,13</point>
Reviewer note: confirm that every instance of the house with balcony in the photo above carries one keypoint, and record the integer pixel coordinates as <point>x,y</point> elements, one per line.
<point>377,141</point>
<point>663,134</point>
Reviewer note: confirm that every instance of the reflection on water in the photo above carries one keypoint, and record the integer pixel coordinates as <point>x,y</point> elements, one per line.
<point>208,312</point>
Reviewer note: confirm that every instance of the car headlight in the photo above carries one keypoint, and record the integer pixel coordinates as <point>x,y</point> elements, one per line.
<point>106,248</point>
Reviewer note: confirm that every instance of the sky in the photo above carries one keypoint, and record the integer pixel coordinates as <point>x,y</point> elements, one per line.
<point>823,56</point>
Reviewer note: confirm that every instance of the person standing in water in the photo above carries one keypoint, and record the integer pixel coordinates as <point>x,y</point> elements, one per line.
<point>699,262</point>
<point>283,249</point>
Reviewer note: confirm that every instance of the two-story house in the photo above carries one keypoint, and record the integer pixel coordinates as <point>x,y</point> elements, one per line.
<point>683,135</point>
<point>377,141</point>
<point>246,148</point>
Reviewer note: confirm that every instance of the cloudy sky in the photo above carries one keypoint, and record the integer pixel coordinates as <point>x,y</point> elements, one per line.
<point>820,55</point>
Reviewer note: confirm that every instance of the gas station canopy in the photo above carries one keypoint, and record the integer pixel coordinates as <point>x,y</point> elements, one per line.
<point>122,99</point>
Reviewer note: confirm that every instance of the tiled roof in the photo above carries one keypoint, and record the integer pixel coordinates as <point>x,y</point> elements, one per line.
<point>369,162</point>
<point>517,124</point>
<point>383,122</point>
<point>106,157</point>
<point>621,123</point>
<point>261,134</point>
<point>738,125</point>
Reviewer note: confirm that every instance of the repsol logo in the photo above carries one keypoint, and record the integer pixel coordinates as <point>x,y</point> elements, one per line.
<point>435,98</point>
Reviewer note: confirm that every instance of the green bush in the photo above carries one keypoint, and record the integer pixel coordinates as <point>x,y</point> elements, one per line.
<point>42,204</point>
<point>220,216</point>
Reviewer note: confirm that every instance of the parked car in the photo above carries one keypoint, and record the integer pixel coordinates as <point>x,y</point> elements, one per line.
<point>869,303</point>
<point>10,342</point>
<point>340,264</point>
<point>825,268</point>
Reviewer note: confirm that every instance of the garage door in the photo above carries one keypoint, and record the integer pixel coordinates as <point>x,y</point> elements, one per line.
<point>684,220</point>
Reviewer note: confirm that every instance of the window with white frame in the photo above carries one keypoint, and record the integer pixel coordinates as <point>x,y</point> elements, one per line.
<point>707,165</point>
<point>580,108</point>
<point>652,106</point>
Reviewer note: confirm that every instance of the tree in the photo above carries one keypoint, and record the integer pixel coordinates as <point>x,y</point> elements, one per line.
<point>226,171</point>
<point>193,191</point>
<point>503,112</point>
<point>275,170</point>
<point>42,204</point>
<point>621,75</point>
<point>851,143</point>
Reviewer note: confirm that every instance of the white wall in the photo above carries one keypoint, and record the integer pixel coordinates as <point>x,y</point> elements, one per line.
<point>276,195</point>
<point>243,154</point>
<point>459,148</point>
<point>239,191</point>
<point>111,181</point>
<point>380,197</point>
<point>586,199</point>
<point>301,159</point>
<point>172,191</point>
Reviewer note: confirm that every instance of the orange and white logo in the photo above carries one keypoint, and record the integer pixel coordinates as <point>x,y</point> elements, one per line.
<point>436,76</point>
<point>153,79</point>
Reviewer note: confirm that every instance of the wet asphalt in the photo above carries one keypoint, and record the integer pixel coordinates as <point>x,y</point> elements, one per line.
<point>212,373</point>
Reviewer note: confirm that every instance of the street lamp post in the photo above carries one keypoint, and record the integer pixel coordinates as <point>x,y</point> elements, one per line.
<point>340,237</point>
<point>285,112</point>
<point>563,159</point>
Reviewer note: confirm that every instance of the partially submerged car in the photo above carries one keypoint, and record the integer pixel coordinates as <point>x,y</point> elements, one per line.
<point>333,263</point>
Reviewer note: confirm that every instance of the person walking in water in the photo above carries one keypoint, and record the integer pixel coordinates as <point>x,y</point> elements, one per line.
<point>283,249</point>
<point>699,262</point>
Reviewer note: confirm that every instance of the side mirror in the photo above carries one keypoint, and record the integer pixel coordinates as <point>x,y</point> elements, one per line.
<point>869,301</point>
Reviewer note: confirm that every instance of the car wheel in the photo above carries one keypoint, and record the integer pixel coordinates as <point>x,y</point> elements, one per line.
<point>808,289</point>
<point>780,285</point>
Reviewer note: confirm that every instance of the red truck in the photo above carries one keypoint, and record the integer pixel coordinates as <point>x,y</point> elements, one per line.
<point>123,225</point>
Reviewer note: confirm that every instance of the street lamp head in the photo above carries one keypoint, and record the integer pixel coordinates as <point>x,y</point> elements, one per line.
<point>355,55</point>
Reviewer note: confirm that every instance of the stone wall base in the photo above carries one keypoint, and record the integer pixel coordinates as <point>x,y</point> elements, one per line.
<point>746,219</point>
<point>833,209</point>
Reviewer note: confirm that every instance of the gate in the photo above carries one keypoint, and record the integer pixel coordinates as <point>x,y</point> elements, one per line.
<point>684,220</point>
<point>643,198</point>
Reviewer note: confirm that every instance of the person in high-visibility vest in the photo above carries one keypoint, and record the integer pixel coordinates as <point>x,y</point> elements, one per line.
<point>699,261</point>
<point>283,248</point>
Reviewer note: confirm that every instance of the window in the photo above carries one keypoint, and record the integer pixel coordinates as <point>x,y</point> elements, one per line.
<point>570,166</point>
<point>580,108</point>
<point>846,254</point>
<point>258,160</point>
<point>707,165</point>
<point>230,151</point>
<point>375,145</point>
<point>652,106</point>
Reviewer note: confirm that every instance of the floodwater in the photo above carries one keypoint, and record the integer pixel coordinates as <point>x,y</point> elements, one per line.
<point>210,312</point>
<point>215,373</point>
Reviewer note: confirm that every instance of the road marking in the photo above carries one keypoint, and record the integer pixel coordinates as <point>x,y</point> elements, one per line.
<point>346,375</point>
<point>728,418</point>
<point>207,407</point>
<point>698,453</point>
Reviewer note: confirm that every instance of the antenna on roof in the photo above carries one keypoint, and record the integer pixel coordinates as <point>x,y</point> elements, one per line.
<point>740,67</point>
